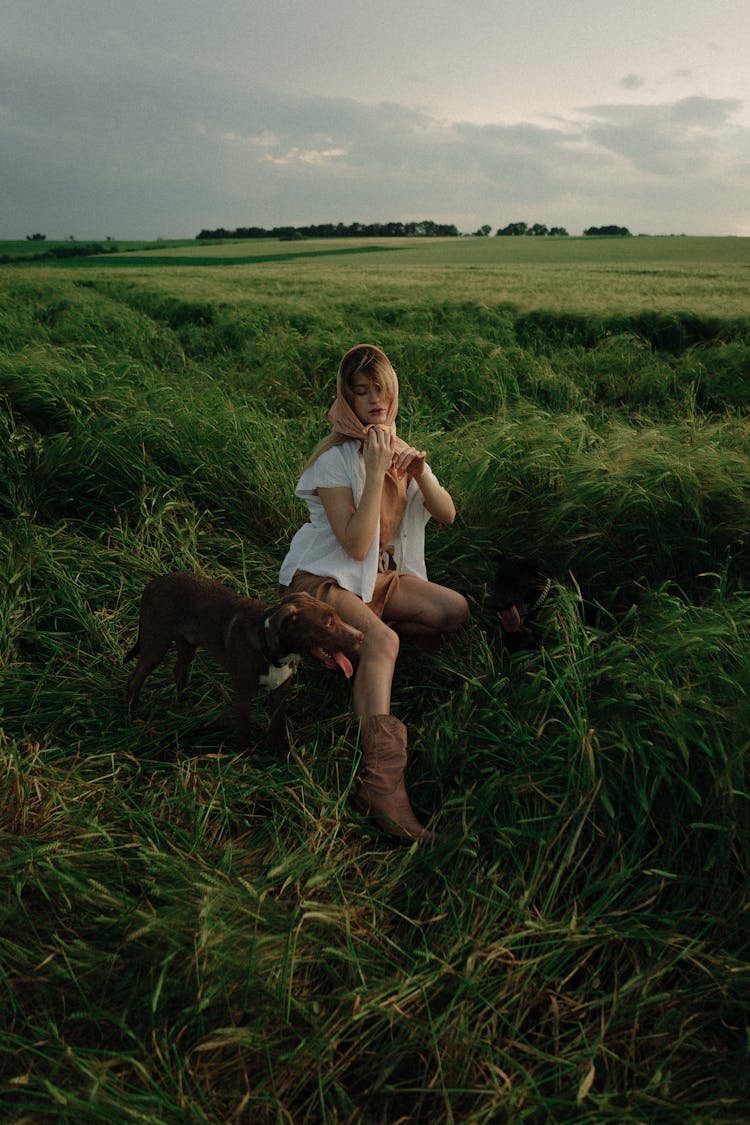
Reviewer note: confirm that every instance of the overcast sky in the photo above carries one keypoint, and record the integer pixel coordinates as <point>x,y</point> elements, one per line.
<point>157,118</point>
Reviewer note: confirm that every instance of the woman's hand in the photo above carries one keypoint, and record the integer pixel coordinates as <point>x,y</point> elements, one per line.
<point>410,462</point>
<point>377,451</point>
<point>379,455</point>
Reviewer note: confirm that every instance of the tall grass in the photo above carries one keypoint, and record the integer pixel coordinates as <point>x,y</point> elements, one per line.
<point>188,934</point>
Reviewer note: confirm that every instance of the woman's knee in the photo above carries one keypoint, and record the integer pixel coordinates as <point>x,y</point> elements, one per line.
<point>456,613</point>
<point>381,643</point>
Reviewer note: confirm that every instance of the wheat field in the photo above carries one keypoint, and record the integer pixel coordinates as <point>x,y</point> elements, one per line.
<point>193,935</point>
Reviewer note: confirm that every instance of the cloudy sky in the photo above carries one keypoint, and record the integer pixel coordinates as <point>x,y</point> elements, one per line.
<point>157,118</point>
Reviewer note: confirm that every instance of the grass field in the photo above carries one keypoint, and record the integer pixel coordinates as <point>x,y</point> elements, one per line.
<point>710,276</point>
<point>192,935</point>
<point>13,250</point>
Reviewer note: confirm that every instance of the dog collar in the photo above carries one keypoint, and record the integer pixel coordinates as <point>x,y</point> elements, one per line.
<point>542,597</point>
<point>263,638</point>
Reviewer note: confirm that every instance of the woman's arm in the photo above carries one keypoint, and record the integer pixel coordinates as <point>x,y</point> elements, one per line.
<point>437,500</point>
<point>355,526</point>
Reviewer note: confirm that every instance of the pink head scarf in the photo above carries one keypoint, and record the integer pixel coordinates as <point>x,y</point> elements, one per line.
<point>342,416</point>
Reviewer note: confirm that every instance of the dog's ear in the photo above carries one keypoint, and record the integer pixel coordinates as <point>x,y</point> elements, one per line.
<point>300,600</point>
<point>287,609</point>
<point>282,619</point>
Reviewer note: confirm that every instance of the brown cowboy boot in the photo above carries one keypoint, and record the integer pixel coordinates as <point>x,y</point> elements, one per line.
<point>381,792</point>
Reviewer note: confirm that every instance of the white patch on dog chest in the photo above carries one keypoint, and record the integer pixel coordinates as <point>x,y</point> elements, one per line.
<point>275,676</point>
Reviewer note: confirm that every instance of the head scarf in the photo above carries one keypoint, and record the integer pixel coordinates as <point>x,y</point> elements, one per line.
<point>342,416</point>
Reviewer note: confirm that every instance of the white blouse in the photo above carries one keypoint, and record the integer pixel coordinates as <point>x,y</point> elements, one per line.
<point>316,549</point>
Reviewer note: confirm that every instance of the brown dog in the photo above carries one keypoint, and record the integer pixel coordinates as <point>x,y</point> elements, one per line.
<point>257,644</point>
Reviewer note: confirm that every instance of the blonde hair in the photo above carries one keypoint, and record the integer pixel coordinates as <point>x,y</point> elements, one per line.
<point>371,362</point>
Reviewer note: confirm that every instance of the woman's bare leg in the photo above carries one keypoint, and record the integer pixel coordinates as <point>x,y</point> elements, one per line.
<point>377,656</point>
<point>420,608</point>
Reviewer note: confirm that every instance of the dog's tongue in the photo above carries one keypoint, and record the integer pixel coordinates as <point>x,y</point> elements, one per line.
<point>344,664</point>
<point>510,620</point>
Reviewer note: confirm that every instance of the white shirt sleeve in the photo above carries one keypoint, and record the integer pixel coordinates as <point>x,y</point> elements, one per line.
<point>330,470</point>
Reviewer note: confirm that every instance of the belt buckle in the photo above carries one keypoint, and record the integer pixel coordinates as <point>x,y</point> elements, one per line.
<point>386,562</point>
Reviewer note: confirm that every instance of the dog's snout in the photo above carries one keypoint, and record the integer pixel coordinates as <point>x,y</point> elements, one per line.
<point>349,634</point>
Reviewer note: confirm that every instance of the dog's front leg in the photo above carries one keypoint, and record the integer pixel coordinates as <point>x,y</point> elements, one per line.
<point>243,691</point>
<point>185,654</point>
<point>278,734</point>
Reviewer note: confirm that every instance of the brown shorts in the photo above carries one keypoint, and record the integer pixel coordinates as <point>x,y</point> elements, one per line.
<point>385,587</point>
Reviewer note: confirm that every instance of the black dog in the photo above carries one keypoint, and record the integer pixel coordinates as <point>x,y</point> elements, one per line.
<point>520,587</point>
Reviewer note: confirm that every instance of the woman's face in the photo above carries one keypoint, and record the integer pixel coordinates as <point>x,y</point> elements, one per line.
<point>369,400</point>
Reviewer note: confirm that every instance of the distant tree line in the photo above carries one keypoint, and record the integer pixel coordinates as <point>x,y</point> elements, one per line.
<point>424,228</point>
<point>607,232</point>
<point>538,230</point>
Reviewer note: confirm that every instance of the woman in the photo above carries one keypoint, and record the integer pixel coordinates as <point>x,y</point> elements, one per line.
<point>370,495</point>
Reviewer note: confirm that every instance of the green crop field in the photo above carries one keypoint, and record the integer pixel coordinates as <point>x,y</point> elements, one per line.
<point>192,935</point>
<point>706,275</point>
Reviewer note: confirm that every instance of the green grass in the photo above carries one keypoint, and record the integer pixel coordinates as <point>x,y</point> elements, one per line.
<point>658,275</point>
<point>188,934</point>
<point>22,249</point>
